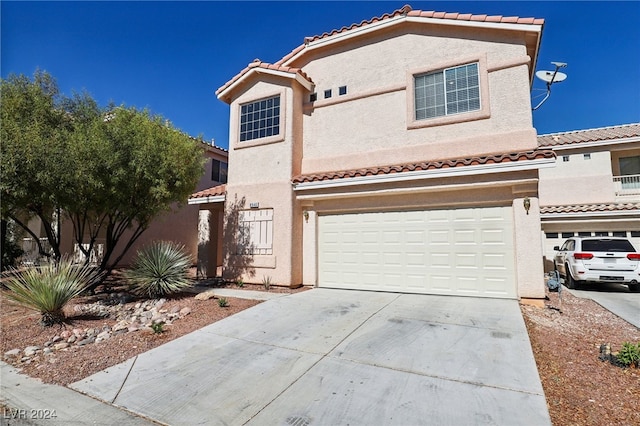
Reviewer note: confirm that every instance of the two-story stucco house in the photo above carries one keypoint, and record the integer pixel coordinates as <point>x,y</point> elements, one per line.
<point>397,154</point>
<point>594,190</point>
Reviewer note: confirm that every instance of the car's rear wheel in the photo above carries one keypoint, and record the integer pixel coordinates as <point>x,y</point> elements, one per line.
<point>634,288</point>
<point>568,280</point>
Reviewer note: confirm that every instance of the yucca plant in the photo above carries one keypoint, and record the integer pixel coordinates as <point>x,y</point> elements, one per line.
<point>47,289</point>
<point>159,270</point>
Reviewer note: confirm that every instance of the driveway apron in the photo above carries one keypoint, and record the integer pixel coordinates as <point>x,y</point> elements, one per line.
<point>340,357</point>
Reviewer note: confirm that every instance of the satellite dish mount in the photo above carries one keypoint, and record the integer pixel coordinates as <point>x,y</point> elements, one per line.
<point>551,77</point>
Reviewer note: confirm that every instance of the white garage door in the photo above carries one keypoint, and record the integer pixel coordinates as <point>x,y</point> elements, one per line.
<point>465,252</point>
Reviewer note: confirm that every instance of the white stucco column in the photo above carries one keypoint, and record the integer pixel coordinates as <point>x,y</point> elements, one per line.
<point>309,247</point>
<point>528,249</point>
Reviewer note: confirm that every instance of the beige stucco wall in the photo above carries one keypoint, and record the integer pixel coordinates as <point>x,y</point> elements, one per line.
<point>261,174</point>
<point>528,249</point>
<point>284,266</point>
<point>579,180</point>
<point>373,120</point>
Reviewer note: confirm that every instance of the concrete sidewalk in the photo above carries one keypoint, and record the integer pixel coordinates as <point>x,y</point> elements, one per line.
<point>340,357</point>
<point>28,401</point>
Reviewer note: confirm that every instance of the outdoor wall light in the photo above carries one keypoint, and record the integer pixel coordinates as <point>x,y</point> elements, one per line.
<point>306,216</point>
<point>527,204</point>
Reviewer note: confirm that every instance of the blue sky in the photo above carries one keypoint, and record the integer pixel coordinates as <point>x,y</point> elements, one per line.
<point>171,57</point>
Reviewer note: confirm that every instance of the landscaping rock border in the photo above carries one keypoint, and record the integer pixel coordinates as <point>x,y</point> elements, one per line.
<point>130,318</point>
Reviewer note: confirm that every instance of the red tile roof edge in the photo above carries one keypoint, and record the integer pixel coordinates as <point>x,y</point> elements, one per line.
<point>427,165</point>
<point>406,10</point>
<point>622,131</point>
<point>589,208</point>
<point>257,63</point>
<point>210,192</point>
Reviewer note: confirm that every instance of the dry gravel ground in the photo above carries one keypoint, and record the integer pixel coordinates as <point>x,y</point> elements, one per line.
<point>19,329</point>
<point>580,389</point>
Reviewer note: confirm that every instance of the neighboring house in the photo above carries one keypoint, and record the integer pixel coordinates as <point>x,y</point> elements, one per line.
<point>179,225</point>
<point>397,154</point>
<point>594,190</point>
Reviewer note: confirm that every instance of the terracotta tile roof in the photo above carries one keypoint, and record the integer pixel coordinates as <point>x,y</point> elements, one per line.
<point>427,165</point>
<point>408,11</point>
<point>590,135</point>
<point>210,192</point>
<point>590,208</point>
<point>257,63</point>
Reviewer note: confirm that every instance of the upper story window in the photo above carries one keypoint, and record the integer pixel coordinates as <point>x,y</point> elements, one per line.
<point>260,119</point>
<point>449,91</point>
<point>219,171</point>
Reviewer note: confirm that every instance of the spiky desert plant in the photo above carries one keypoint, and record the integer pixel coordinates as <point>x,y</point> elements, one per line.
<point>159,270</point>
<point>47,289</point>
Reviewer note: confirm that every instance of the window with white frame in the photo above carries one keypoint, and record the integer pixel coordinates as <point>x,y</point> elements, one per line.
<point>260,119</point>
<point>449,91</point>
<point>255,231</point>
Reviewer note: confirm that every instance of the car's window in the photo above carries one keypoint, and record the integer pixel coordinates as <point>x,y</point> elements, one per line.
<point>572,245</point>
<point>607,245</point>
<point>565,246</point>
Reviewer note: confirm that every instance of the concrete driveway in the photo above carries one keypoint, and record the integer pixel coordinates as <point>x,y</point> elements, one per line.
<point>343,357</point>
<point>614,297</point>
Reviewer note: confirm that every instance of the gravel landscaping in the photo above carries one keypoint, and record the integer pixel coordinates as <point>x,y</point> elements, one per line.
<point>109,328</point>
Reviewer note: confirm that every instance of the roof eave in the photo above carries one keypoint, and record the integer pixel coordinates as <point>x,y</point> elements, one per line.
<point>356,32</point>
<point>225,95</point>
<point>207,200</point>
<point>428,174</point>
<point>590,144</point>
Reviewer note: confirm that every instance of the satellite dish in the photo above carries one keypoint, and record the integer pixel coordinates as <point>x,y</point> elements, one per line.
<point>551,77</point>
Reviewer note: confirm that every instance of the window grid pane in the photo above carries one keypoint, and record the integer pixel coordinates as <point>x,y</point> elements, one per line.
<point>451,91</point>
<point>260,119</point>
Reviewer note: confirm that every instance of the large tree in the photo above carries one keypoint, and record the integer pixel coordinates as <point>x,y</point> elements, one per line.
<point>109,171</point>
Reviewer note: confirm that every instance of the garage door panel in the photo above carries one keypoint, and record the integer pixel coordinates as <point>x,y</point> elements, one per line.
<point>458,251</point>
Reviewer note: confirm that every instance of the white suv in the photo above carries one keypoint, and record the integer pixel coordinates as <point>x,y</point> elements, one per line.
<point>598,259</point>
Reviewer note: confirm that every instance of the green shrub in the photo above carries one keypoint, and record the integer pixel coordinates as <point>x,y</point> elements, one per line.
<point>240,283</point>
<point>222,302</point>
<point>629,354</point>
<point>47,289</point>
<point>159,270</point>
<point>158,327</point>
<point>266,282</point>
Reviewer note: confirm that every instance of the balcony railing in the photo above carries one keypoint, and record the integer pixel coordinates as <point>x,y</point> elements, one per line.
<point>626,185</point>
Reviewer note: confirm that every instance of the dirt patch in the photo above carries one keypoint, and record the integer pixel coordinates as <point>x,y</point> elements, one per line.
<point>579,388</point>
<point>20,329</point>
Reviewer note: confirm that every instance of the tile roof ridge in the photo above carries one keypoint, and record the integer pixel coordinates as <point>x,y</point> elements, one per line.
<point>257,63</point>
<point>567,132</point>
<point>408,11</point>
